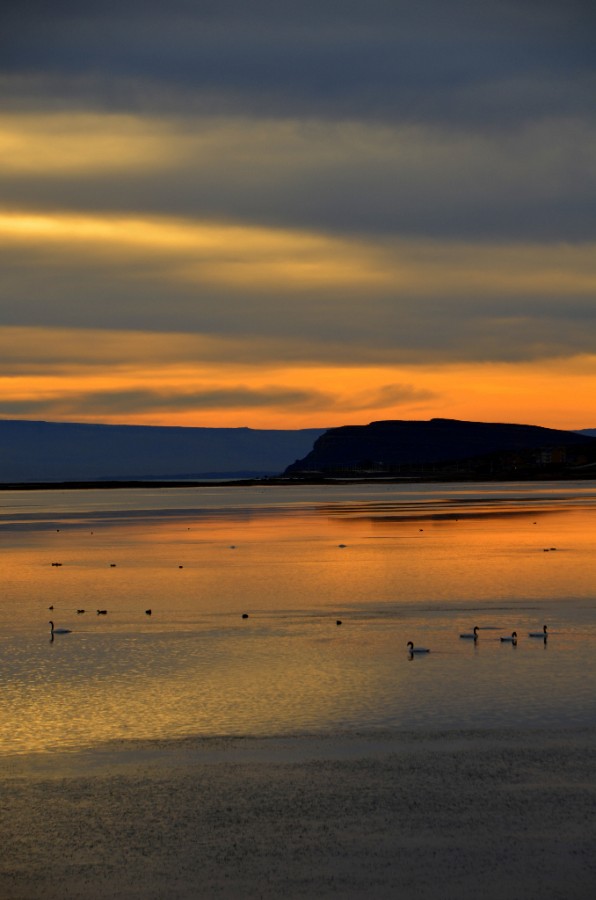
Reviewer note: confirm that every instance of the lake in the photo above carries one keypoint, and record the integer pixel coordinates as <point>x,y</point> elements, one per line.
<point>246,586</point>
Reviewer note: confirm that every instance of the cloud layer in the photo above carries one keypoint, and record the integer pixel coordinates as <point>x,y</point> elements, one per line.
<point>364,193</point>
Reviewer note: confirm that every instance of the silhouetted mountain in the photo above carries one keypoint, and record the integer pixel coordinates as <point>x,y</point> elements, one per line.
<point>445,446</point>
<point>588,432</point>
<point>55,451</point>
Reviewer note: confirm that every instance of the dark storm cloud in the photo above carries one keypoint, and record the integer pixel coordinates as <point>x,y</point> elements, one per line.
<point>431,118</point>
<point>425,61</point>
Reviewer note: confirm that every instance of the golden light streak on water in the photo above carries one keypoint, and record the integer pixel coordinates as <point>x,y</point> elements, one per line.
<point>423,567</point>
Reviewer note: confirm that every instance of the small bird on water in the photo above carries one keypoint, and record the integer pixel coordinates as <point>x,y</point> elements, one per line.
<point>539,634</point>
<point>510,640</point>
<point>472,635</point>
<point>54,631</point>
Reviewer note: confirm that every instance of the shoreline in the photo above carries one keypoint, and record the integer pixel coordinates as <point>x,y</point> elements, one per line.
<point>415,816</point>
<point>280,481</point>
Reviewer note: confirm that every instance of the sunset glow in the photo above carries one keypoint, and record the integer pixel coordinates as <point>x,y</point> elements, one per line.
<point>210,251</point>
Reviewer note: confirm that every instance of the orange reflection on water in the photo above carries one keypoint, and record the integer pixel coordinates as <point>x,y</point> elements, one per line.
<point>195,666</point>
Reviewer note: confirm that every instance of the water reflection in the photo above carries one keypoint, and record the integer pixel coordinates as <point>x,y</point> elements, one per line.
<point>198,638</point>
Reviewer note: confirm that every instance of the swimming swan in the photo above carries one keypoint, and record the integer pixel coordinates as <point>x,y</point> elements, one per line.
<point>512,639</point>
<point>58,630</point>
<point>414,649</point>
<point>539,634</point>
<point>472,635</point>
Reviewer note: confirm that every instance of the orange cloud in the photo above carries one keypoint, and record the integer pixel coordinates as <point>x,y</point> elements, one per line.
<point>123,378</point>
<point>77,144</point>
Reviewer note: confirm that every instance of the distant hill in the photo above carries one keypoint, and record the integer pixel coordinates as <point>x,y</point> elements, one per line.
<point>52,451</point>
<point>589,432</point>
<point>444,446</point>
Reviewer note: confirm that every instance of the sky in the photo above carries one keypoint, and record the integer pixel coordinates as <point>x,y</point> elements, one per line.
<point>283,214</point>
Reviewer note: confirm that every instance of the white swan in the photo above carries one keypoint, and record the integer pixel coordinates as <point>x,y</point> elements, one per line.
<point>472,635</point>
<point>58,630</point>
<point>414,649</point>
<point>512,639</point>
<point>539,634</point>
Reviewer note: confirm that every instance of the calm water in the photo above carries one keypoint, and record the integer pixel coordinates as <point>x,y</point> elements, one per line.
<point>418,562</point>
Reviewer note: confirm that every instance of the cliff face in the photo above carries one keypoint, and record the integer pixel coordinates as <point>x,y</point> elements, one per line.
<point>392,445</point>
